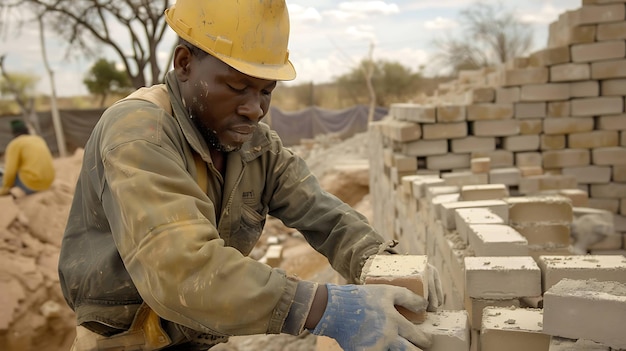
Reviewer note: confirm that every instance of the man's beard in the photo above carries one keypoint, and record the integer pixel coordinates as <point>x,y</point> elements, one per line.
<point>210,136</point>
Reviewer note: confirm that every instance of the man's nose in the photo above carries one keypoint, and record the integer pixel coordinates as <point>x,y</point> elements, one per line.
<point>251,108</point>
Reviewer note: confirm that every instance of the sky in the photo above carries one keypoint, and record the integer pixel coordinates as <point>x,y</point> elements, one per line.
<point>328,38</point>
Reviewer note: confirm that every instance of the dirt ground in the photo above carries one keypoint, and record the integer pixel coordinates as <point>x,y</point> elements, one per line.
<point>33,313</point>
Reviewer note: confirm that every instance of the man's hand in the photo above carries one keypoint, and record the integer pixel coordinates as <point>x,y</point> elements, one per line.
<point>363,317</point>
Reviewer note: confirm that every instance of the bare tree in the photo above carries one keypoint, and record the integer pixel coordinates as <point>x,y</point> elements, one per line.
<point>490,35</point>
<point>21,87</point>
<point>88,25</point>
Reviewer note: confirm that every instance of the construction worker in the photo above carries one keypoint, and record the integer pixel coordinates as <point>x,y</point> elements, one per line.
<point>176,183</point>
<point>28,166</point>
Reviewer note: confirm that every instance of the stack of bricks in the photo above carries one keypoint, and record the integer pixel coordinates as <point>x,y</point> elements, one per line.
<point>488,178</point>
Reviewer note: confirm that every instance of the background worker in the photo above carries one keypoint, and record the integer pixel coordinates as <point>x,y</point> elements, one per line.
<point>174,190</point>
<point>28,162</point>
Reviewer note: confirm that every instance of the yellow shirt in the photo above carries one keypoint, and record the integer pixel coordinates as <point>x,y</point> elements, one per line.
<point>28,156</point>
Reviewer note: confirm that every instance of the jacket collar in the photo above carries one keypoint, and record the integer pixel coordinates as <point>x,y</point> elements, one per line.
<point>257,145</point>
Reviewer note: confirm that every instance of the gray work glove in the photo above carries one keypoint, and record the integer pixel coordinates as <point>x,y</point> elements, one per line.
<point>363,317</point>
<point>435,291</point>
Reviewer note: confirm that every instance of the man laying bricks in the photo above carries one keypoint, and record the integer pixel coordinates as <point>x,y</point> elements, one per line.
<point>176,183</point>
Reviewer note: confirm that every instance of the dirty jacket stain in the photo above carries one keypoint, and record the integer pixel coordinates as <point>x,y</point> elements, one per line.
<point>141,229</point>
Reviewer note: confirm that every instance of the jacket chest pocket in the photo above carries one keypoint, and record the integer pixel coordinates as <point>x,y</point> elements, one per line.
<point>251,224</point>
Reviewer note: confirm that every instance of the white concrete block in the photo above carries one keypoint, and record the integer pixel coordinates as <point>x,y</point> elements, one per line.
<point>502,277</point>
<point>497,240</point>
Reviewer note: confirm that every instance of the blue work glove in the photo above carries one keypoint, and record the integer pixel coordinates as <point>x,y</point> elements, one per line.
<point>363,317</point>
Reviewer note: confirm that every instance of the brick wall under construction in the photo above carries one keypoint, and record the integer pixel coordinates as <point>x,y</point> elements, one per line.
<point>500,164</point>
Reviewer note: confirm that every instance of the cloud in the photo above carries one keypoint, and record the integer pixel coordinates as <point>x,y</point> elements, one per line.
<point>361,32</point>
<point>441,23</point>
<point>545,15</point>
<point>302,14</point>
<point>355,10</point>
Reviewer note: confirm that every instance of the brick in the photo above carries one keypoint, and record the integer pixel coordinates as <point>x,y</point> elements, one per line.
<point>563,344</point>
<point>404,163</point>
<point>413,112</point>
<point>584,89</point>
<point>525,159</point>
<point>608,69</point>
<point>623,138</point>
<point>472,144</point>
<point>444,131</point>
<point>609,242</point>
<point>600,51</point>
<point>478,95</point>
<point>539,209</point>
<point>507,95</point>
<point>619,173</point>
<point>589,174</point>
<point>408,271</point>
<point>531,126</point>
<point>496,128</point>
<point>480,112</point>
<point>559,109</point>
<point>569,72</point>
<point>555,235</point>
<point>521,143</point>
<point>549,57</point>
<point>592,140</point>
<point>402,131</point>
<point>566,158</point>
<point>433,191</point>
<point>568,125</point>
<point>499,158</point>
<point>464,178</point>
<point>464,217</point>
<point>578,197</point>
<point>613,87</point>
<point>449,161</point>
<point>324,343</point>
<point>564,34</point>
<point>590,307</point>
<point>609,156</point>
<point>496,240</point>
<point>544,182</point>
<point>502,277</point>
<point>611,205</point>
<point>617,122</point>
<point>475,307</point>
<point>480,165</point>
<point>274,255</point>
<point>597,14</point>
<point>498,207</point>
<point>421,148</point>
<point>582,267</point>
<point>622,207</point>
<point>517,328</point>
<point>506,176</point>
<point>451,113</point>
<point>484,192</point>
<point>608,190</point>
<point>449,330</point>
<point>396,175</point>
<point>525,76</point>
<point>422,183</point>
<point>545,92</point>
<point>529,171</point>
<point>553,142</point>
<point>611,31</point>
<point>597,106</point>
<point>530,110</point>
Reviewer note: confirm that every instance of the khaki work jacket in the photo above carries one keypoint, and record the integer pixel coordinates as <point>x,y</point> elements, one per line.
<point>141,229</point>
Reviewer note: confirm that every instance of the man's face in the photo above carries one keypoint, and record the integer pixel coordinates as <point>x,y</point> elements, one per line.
<point>225,104</point>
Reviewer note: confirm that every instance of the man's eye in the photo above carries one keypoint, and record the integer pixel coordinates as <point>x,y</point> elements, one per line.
<point>237,88</point>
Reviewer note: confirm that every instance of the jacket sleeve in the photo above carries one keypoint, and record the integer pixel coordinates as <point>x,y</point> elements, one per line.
<point>331,226</point>
<point>163,226</point>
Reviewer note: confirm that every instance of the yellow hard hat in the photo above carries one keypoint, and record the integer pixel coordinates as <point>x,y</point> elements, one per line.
<point>249,35</point>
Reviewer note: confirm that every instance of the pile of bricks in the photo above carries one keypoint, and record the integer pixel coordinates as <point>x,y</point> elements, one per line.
<point>488,180</point>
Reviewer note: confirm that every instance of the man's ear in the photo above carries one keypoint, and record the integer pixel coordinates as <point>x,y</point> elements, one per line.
<point>182,62</point>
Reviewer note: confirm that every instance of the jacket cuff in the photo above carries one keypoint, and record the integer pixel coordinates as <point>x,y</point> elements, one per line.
<point>300,307</point>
